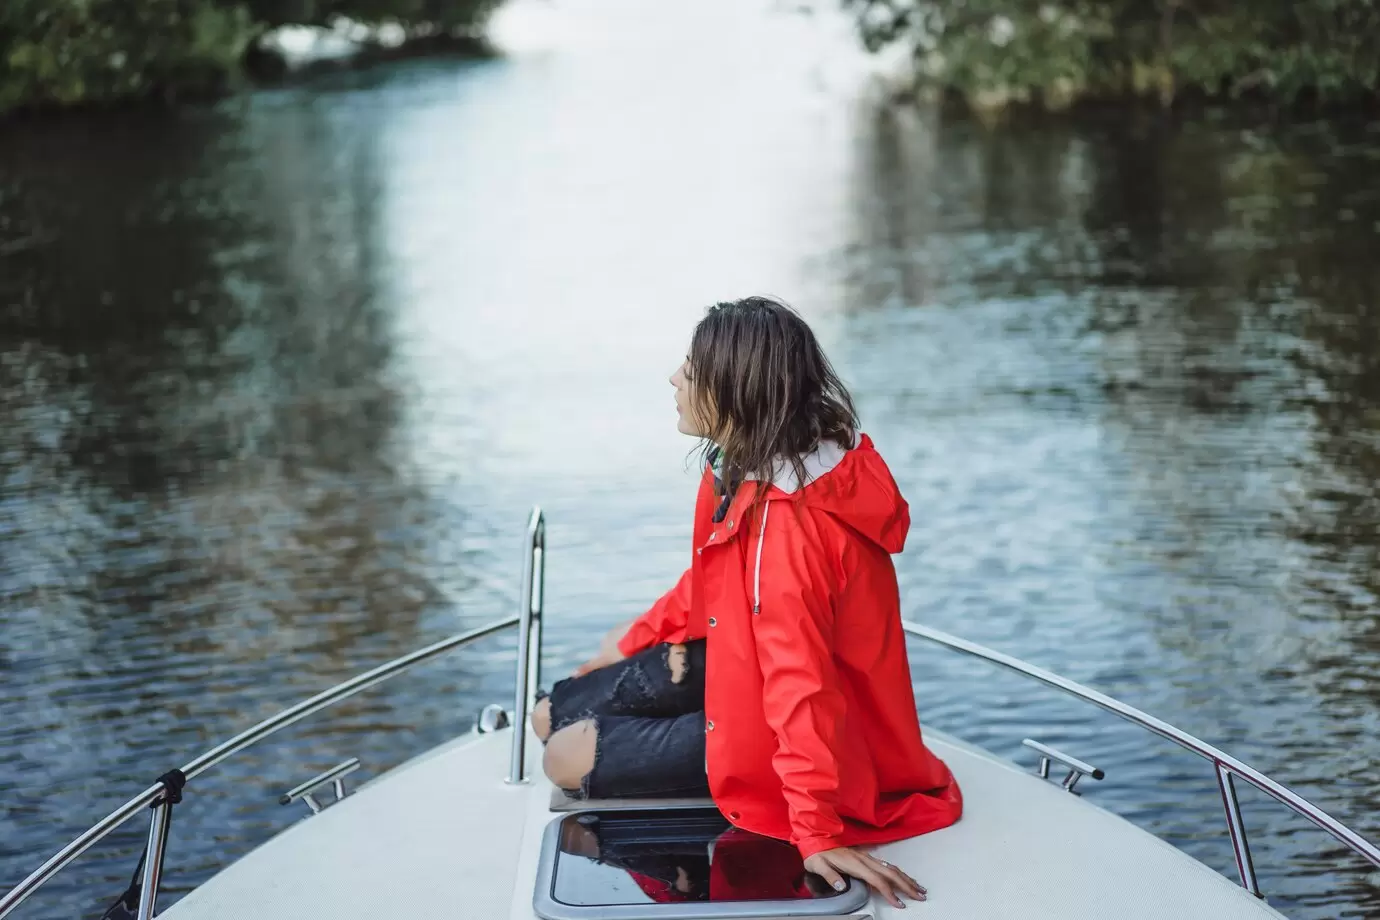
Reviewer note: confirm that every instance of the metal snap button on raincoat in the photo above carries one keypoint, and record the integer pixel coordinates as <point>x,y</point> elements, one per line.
<point>811,727</point>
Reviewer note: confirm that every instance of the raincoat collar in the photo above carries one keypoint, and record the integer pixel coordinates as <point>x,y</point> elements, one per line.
<point>855,486</point>
<point>818,462</point>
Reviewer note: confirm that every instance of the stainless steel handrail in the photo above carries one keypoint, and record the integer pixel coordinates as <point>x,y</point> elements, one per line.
<point>330,697</point>
<point>1227,766</point>
<point>153,794</point>
<point>529,642</point>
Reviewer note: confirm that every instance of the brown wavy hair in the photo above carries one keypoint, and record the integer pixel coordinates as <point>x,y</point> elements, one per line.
<point>768,394</point>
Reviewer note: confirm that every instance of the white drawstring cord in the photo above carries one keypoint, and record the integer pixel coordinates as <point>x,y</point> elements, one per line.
<point>757,577</point>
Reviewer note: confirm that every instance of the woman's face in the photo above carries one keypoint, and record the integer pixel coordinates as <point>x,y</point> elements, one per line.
<point>690,418</point>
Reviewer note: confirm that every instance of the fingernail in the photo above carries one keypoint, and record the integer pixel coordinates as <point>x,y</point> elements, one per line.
<point>840,885</point>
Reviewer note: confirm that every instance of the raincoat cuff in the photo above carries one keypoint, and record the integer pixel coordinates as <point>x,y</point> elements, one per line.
<point>633,641</point>
<point>812,845</point>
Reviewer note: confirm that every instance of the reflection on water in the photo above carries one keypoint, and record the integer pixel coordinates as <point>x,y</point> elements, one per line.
<point>281,378</point>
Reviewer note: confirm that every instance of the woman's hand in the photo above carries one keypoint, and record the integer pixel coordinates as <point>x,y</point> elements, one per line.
<point>608,651</point>
<point>885,879</point>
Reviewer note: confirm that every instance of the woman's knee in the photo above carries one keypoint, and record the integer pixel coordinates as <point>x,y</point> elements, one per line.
<point>541,718</point>
<point>569,755</point>
<point>677,662</point>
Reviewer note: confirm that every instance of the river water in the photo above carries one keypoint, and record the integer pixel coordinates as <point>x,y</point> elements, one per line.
<point>280,379</point>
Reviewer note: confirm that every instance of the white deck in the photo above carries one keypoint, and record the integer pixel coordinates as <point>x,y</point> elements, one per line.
<point>444,836</point>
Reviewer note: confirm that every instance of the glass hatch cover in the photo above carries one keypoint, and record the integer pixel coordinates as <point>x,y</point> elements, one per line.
<point>672,863</point>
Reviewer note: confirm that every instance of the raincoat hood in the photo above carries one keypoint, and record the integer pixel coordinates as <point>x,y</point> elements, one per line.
<point>855,486</point>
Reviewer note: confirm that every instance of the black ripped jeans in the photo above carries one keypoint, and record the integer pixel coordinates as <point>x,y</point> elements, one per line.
<point>650,727</point>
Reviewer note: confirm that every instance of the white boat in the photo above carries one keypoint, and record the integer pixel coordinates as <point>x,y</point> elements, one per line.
<point>470,829</point>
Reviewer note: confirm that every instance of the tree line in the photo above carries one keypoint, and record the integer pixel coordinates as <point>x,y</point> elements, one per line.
<point>1058,52</point>
<point>990,52</point>
<point>73,52</point>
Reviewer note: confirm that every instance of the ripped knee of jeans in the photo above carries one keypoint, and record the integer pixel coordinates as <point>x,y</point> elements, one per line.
<point>677,662</point>
<point>571,754</point>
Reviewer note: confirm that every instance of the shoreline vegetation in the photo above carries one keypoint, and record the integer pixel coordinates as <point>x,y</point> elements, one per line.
<point>989,56</point>
<point>1054,55</point>
<point>58,55</point>
<point>301,51</point>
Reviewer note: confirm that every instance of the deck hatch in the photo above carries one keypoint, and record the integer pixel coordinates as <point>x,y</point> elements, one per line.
<point>676,863</point>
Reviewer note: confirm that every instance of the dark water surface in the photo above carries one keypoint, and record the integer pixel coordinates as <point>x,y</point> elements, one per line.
<point>280,379</point>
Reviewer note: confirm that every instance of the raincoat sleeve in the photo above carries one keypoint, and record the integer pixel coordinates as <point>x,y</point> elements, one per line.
<point>794,631</point>
<point>666,621</point>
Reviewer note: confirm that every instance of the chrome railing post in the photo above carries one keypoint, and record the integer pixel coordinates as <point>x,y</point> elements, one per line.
<point>1236,826</point>
<point>153,857</point>
<point>60,860</point>
<point>529,624</point>
<point>538,608</point>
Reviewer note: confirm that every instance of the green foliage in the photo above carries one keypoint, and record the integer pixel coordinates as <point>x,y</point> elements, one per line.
<point>448,14</point>
<point>67,52</point>
<point>1059,51</point>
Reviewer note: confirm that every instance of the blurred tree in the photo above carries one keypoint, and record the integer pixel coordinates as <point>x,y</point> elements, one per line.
<point>1058,51</point>
<point>64,52</point>
<point>447,14</point>
<point>68,51</point>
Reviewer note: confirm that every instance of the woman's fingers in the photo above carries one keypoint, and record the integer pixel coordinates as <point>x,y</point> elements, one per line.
<point>902,881</point>
<point>880,883</point>
<point>861,866</point>
<point>820,866</point>
<point>884,878</point>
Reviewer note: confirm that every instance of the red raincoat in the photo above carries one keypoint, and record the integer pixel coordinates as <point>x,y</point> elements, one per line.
<point>812,734</point>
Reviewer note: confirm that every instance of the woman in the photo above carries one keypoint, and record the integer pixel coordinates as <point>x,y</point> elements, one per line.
<point>773,676</point>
